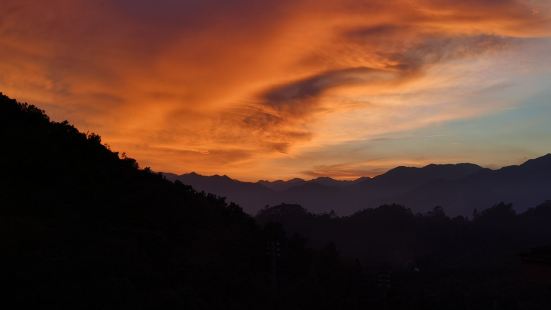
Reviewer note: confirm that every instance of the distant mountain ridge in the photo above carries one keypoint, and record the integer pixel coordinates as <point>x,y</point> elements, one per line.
<point>458,188</point>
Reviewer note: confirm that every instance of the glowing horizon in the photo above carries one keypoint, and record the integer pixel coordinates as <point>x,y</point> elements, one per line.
<point>278,89</point>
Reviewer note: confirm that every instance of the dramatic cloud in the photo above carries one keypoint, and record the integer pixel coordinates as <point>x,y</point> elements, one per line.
<point>251,88</point>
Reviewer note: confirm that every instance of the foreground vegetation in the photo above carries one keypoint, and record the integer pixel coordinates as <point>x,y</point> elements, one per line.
<point>84,227</point>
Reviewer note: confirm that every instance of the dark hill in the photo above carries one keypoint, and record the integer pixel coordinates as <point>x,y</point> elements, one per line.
<point>83,227</point>
<point>394,235</point>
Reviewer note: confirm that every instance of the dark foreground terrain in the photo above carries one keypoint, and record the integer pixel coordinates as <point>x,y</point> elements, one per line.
<point>83,227</point>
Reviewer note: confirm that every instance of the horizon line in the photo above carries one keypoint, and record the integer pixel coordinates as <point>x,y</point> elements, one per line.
<point>359,177</point>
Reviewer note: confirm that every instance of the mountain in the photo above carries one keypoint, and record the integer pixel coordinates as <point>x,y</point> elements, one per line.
<point>281,185</point>
<point>81,226</point>
<point>408,177</point>
<point>458,188</point>
<point>522,185</point>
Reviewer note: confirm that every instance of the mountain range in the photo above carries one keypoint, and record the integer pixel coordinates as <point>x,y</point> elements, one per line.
<point>460,189</point>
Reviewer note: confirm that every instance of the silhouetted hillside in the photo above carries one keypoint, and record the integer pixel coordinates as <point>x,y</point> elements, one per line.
<point>459,189</point>
<point>395,237</point>
<point>499,255</point>
<point>84,228</point>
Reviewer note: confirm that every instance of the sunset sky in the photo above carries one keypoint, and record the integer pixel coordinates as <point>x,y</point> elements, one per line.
<point>289,88</point>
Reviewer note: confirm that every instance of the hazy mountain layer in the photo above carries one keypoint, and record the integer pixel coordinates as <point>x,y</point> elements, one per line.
<point>458,188</point>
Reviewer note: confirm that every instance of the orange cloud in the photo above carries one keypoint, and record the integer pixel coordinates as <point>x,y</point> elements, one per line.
<point>235,87</point>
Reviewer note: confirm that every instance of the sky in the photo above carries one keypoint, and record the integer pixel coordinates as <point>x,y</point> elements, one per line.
<point>275,89</point>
